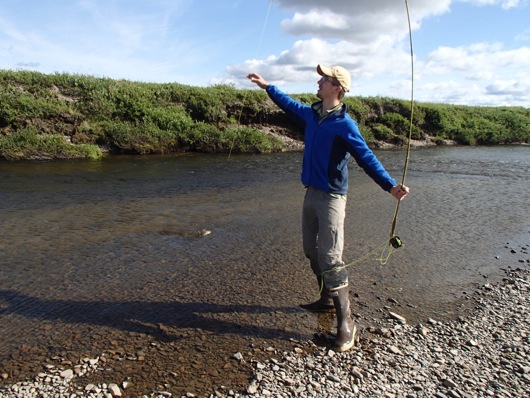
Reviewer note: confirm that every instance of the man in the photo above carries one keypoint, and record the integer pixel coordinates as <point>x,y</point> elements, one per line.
<point>330,137</point>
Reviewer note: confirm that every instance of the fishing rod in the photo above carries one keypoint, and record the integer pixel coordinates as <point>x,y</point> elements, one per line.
<point>394,240</point>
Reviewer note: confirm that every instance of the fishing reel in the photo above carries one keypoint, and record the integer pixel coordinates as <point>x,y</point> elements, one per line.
<point>396,242</point>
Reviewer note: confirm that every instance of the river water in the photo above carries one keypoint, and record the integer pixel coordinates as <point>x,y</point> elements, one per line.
<point>109,258</point>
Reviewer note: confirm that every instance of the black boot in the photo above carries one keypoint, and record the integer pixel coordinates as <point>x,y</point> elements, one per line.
<point>324,303</point>
<point>345,326</point>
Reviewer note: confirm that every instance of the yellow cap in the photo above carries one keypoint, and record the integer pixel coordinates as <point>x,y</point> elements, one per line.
<point>338,72</point>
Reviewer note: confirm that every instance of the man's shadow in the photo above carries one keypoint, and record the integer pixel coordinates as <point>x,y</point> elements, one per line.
<point>156,318</point>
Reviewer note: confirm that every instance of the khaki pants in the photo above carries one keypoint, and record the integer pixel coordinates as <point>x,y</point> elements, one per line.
<point>323,235</point>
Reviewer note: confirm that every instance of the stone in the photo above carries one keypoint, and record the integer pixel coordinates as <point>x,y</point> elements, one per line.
<point>252,387</point>
<point>67,374</point>
<point>394,350</point>
<point>115,390</point>
<point>334,378</point>
<point>449,383</point>
<point>357,373</point>
<point>397,317</point>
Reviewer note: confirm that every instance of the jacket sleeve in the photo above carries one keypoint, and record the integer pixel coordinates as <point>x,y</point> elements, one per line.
<point>366,159</point>
<point>297,111</point>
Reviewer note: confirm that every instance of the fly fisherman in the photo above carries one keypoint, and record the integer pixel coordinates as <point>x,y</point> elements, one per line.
<point>331,136</point>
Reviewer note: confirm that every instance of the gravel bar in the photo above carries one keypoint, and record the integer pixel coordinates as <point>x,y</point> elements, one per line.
<point>483,354</point>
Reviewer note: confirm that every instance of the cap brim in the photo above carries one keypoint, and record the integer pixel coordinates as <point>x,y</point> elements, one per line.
<point>324,70</point>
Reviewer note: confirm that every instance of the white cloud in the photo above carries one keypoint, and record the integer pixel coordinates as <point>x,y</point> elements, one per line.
<point>524,36</point>
<point>370,38</point>
<point>356,21</point>
<point>478,59</point>
<point>180,41</point>
<point>482,74</point>
<point>326,22</point>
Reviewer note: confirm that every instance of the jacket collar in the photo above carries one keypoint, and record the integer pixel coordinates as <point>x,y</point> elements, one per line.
<point>339,111</point>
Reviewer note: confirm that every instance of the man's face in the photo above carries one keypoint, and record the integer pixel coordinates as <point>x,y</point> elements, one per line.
<point>328,87</point>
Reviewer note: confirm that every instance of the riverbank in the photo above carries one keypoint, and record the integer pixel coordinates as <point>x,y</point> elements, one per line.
<point>297,145</point>
<point>484,353</point>
<point>62,116</point>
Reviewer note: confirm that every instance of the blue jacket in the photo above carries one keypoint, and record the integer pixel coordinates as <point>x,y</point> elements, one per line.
<point>328,146</point>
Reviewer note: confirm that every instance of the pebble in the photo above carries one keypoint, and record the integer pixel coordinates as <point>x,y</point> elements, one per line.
<point>115,390</point>
<point>397,317</point>
<point>67,374</point>
<point>483,354</point>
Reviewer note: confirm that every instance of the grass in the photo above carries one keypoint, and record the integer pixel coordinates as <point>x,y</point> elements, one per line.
<point>59,116</point>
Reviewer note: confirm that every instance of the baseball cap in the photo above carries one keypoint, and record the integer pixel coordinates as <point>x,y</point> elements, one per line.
<point>338,72</point>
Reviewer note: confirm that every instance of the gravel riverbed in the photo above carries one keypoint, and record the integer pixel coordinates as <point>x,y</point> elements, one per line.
<point>483,354</point>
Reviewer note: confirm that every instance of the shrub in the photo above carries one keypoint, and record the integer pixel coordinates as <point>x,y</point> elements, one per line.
<point>307,99</point>
<point>356,108</point>
<point>27,144</point>
<point>206,138</point>
<point>174,119</point>
<point>396,122</point>
<point>142,138</point>
<point>253,140</point>
<point>40,112</point>
<point>463,137</point>
<point>382,132</point>
<point>203,137</point>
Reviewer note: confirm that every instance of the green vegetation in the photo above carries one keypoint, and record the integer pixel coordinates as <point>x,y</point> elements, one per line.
<point>64,116</point>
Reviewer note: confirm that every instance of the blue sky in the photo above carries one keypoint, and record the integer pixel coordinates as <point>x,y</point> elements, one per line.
<point>474,52</point>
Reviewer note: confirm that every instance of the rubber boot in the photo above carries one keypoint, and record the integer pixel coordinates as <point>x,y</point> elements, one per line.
<point>345,326</point>
<point>324,303</point>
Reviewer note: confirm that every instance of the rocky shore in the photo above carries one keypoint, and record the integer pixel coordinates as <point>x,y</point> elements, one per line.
<point>483,354</point>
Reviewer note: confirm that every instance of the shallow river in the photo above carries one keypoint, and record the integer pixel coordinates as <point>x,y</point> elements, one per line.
<point>108,258</point>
